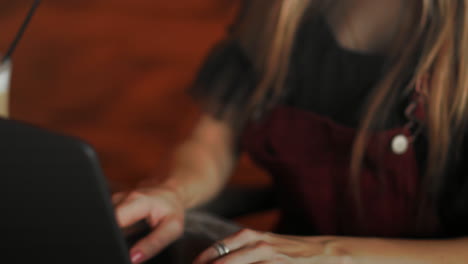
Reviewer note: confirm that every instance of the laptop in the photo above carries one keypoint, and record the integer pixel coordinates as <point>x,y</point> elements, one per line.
<point>55,204</point>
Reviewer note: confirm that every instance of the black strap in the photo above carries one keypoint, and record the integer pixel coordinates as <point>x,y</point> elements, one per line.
<point>21,31</point>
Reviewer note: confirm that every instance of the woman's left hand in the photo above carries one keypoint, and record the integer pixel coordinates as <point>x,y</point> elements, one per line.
<point>248,246</point>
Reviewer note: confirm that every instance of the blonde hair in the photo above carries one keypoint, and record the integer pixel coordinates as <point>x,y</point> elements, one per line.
<point>435,46</point>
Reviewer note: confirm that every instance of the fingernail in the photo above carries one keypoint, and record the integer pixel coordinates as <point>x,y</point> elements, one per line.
<point>137,257</point>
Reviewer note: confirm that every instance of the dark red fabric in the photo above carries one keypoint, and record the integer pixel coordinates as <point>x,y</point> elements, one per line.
<point>309,157</point>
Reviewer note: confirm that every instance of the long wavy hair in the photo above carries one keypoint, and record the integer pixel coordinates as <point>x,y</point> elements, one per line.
<point>432,46</point>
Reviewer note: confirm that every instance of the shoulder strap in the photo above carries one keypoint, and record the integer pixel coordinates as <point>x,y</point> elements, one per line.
<point>254,27</point>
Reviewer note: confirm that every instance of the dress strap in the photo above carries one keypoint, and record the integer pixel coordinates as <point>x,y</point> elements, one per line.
<point>416,110</point>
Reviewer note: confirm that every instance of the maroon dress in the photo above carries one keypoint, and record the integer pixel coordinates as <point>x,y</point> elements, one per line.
<point>305,142</point>
<point>308,157</point>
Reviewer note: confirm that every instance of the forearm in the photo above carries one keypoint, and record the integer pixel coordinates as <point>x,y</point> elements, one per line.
<point>198,173</point>
<point>389,251</point>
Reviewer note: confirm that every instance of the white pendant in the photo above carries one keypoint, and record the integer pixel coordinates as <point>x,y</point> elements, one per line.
<point>400,144</point>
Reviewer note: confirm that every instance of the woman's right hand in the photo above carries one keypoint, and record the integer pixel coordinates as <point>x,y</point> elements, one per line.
<point>162,210</point>
<point>201,167</point>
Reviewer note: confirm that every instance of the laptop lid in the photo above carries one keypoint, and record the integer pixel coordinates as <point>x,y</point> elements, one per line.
<point>55,205</point>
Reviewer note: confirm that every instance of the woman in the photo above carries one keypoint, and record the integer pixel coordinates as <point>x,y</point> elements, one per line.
<point>357,108</point>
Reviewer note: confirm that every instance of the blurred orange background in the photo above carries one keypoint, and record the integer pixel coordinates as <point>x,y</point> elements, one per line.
<point>114,73</point>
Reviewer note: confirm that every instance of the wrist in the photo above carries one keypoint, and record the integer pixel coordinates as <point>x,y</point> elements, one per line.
<point>362,250</point>
<point>176,189</point>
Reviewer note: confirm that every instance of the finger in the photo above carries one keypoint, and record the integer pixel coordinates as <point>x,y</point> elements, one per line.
<point>262,251</point>
<point>132,210</point>
<point>207,256</point>
<point>166,232</point>
<point>333,260</point>
<point>240,239</point>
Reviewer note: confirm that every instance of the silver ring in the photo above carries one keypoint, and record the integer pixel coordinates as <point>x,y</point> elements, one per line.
<point>221,248</point>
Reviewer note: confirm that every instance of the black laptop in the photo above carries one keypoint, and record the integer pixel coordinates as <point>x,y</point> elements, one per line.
<point>55,205</point>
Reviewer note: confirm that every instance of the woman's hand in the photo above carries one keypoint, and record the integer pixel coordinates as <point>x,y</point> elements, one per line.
<point>163,212</point>
<point>249,246</point>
